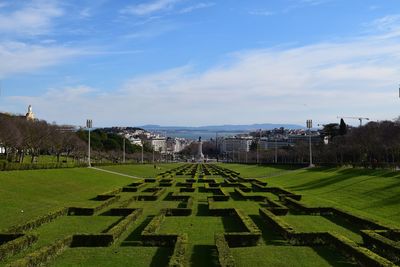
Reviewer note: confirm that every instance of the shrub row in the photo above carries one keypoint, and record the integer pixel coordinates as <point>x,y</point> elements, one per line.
<point>111,235</point>
<point>78,211</point>
<point>154,196</point>
<point>225,256</point>
<point>32,224</point>
<point>178,258</point>
<point>280,191</point>
<point>250,235</point>
<point>363,222</point>
<point>362,256</point>
<point>44,254</point>
<point>92,240</point>
<point>218,211</point>
<point>275,207</point>
<point>177,197</point>
<point>187,189</point>
<point>11,166</point>
<point>382,245</point>
<point>250,197</point>
<point>119,228</point>
<point>186,210</point>
<point>259,188</point>
<point>11,244</point>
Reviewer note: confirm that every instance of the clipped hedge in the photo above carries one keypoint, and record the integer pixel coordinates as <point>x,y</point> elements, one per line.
<point>44,254</point>
<point>349,248</point>
<point>250,197</point>
<point>225,256</point>
<point>92,240</point>
<point>11,166</point>
<point>178,258</point>
<point>11,244</point>
<point>119,228</point>
<point>187,189</point>
<point>34,223</point>
<point>382,245</point>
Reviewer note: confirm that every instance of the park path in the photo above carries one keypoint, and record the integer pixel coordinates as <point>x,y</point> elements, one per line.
<point>116,173</point>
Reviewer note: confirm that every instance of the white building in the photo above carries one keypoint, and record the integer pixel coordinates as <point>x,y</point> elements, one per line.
<point>158,144</point>
<point>176,145</point>
<point>236,144</point>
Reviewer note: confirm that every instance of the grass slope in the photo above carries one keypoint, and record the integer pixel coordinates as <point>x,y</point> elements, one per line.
<point>371,193</point>
<point>25,195</point>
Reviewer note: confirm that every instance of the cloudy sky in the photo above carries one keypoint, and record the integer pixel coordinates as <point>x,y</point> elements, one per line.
<point>186,62</point>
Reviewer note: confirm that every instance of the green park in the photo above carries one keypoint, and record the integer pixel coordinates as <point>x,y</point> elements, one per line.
<point>200,214</point>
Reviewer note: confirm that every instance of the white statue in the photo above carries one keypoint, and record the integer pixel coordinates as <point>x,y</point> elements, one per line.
<point>30,115</point>
<point>200,155</point>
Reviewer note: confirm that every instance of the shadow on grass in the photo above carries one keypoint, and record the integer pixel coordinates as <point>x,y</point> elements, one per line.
<point>161,257</point>
<point>334,258</point>
<point>202,210</point>
<point>269,235</point>
<point>338,176</point>
<point>204,255</point>
<point>135,235</point>
<point>232,224</point>
<point>235,196</point>
<point>345,224</point>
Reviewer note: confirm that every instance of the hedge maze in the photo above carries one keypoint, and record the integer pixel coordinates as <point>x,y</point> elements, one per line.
<point>200,215</point>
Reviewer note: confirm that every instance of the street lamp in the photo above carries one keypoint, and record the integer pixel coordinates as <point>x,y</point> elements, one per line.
<point>142,151</point>
<point>309,126</point>
<point>123,155</point>
<point>89,125</point>
<point>258,147</point>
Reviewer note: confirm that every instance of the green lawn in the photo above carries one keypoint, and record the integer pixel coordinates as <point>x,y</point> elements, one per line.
<point>145,170</point>
<point>375,194</point>
<point>114,256</point>
<point>25,195</point>
<point>284,256</point>
<point>305,223</point>
<point>256,171</point>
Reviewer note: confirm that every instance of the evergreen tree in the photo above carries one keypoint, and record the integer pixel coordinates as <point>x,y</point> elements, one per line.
<point>342,127</point>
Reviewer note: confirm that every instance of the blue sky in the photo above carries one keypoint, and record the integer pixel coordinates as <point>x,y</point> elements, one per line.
<point>184,62</point>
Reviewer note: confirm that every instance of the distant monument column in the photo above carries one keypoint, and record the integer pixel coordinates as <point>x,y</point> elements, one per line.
<point>200,155</point>
<point>30,116</point>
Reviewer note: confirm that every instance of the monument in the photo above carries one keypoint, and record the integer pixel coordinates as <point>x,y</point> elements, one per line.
<point>200,156</point>
<point>30,116</point>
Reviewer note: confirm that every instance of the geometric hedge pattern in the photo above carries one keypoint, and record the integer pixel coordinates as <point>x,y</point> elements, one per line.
<point>200,215</point>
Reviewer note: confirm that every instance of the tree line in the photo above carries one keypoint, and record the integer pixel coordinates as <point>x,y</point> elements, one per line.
<point>21,138</point>
<point>376,144</point>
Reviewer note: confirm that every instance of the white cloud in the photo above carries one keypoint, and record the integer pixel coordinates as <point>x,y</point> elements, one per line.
<point>319,81</point>
<point>314,2</point>
<point>195,7</point>
<point>260,12</point>
<point>32,19</point>
<point>19,57</point>
<point>149,8</point>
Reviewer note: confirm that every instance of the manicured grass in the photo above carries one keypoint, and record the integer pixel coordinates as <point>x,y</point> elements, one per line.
<point>201,231</point>
<point>25,195</point>
<point>65,226</point>
<point>256,171</point>
<point>38,192</point>
<point>283,256</point>
<point>141,170</point>
<point>114,256</point>
<point>371,193</point>
<point>305,223</point>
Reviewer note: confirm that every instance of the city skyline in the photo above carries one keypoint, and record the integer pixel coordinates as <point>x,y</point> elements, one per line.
<point>182,62</point>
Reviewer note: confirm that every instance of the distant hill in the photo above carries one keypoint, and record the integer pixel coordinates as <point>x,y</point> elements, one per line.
<point>223,128</point>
